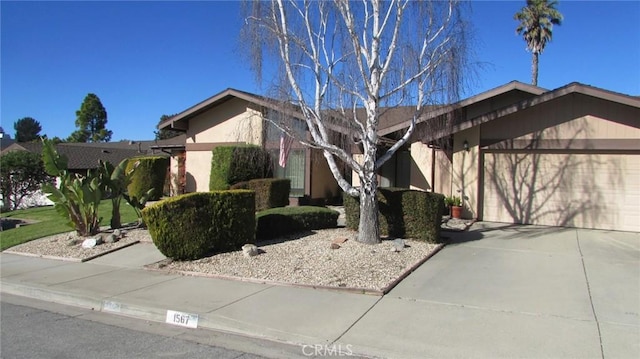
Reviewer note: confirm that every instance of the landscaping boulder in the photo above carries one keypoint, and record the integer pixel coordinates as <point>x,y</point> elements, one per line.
<point>250,250</point>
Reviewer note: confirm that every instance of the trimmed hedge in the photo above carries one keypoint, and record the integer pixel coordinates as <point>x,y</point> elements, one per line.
<point>234,164</point>
<point>194,225</point>
<point>270,192</point>
<point>278,221</point>
<point>151,172</point>
<point>402,213</point>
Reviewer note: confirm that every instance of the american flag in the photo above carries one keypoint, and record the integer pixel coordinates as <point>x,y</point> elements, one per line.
<point>285,146</point>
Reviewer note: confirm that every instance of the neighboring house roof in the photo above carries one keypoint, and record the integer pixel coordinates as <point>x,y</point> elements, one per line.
<point>84,156</point>
<point>6,141</point>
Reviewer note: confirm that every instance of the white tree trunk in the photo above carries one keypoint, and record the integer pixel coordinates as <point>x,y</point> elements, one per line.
<point>369,225</point>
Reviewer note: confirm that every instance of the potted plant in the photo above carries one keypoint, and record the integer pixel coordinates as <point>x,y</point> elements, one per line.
<point>455,206</point>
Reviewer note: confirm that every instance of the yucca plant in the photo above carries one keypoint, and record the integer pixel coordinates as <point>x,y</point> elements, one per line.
<point>76,197</point>
<point>116,181</point>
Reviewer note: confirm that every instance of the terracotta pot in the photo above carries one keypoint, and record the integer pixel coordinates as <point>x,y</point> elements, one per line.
<point>456,212</point>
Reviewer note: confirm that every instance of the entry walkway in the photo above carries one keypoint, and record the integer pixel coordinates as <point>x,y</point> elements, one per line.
<point>497,291</point>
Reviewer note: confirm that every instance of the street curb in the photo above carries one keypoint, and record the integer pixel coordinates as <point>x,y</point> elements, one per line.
<point>155,314</point>
<point>50,295</point>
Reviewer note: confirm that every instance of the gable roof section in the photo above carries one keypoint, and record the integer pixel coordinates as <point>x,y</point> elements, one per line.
<point>178,122</point>
<point>567,90</point>
<point>392,125</point>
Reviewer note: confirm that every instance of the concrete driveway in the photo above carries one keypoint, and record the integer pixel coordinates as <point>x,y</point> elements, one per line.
<point>514,291</point>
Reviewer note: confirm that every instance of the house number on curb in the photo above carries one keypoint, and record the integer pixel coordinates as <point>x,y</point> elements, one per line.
<point>182,319</point>
<point>110,306</point>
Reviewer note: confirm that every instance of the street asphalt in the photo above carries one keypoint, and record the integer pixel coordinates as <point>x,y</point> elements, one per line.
<point>495,291</point>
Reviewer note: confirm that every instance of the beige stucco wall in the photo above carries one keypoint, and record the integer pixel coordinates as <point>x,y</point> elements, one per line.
<point>232,121</point>
<point>323,184</point>
<point>198,168</point>
<point>465,170</point>
<point>443,173</point>
<point>421,169</point>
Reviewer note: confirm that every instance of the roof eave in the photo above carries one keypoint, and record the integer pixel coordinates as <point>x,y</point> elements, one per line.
<point>177,122</point>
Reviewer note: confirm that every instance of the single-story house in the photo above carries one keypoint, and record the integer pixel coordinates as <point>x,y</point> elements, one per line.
<point>516,154</point>
<point>234,117</point>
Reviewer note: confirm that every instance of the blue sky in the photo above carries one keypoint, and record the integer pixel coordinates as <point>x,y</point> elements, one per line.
<point>146,59</point>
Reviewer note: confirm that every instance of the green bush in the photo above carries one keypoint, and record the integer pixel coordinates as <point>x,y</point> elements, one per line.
<point>194,225</point>
<point>76,197</point>
<point>270,192</point>
<point>150,173</point>
<point>234,164</point>
<point>220,165</point>
<point>279,221</point>
<point>402,213</point>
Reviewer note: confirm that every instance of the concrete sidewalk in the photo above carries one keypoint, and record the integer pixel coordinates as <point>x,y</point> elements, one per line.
<point>495,291</point>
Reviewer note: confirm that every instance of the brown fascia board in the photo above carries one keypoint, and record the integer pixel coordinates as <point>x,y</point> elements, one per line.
<point>213,101</point>
<point>572,88</point>
<point>445,109</point>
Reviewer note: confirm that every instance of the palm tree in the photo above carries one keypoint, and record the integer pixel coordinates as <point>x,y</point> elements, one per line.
<point>536,25</point>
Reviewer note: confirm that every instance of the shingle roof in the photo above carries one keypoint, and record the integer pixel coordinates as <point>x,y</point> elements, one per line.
<point>83,156</point>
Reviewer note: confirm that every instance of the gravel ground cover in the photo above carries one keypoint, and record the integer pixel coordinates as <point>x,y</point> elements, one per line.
<point>308,259</point>
<point>302,259</point>
<point>68,246</point>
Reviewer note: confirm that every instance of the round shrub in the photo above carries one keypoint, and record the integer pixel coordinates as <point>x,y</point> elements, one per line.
<point>193,225</point>
<point>149,173</point>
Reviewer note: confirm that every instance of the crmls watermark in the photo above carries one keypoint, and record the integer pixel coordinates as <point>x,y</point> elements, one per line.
<point>323,350</point>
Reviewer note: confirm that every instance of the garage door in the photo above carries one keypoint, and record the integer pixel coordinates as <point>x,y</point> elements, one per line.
<point>576,190</point>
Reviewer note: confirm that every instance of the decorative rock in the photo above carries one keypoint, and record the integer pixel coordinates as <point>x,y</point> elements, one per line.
<point>72,242</point>
<point>112,238</point>
<point>340,240</point>
<point>89,243</point>
<point>250,250</point>
<point>117,233</point>
<point>334,246</point>
<point>98,239</point>
<point>398,245</point>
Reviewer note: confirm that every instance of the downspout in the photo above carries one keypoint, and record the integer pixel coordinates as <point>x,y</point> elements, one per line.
<point>433,169</point>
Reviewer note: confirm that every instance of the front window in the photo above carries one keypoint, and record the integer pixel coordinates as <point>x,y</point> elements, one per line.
<point>294,169</point>
<point>296,161</point>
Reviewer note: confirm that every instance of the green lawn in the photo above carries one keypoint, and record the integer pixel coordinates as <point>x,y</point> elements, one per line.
<point>51,222</point>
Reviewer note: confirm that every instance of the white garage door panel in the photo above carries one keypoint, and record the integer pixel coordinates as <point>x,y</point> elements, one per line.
<point>575,190</point>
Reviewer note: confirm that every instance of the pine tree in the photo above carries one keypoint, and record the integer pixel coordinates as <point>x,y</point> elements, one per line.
<point>91,121</point>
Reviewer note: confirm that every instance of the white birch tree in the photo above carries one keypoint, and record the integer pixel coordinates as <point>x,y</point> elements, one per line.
<point>342,64</point>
